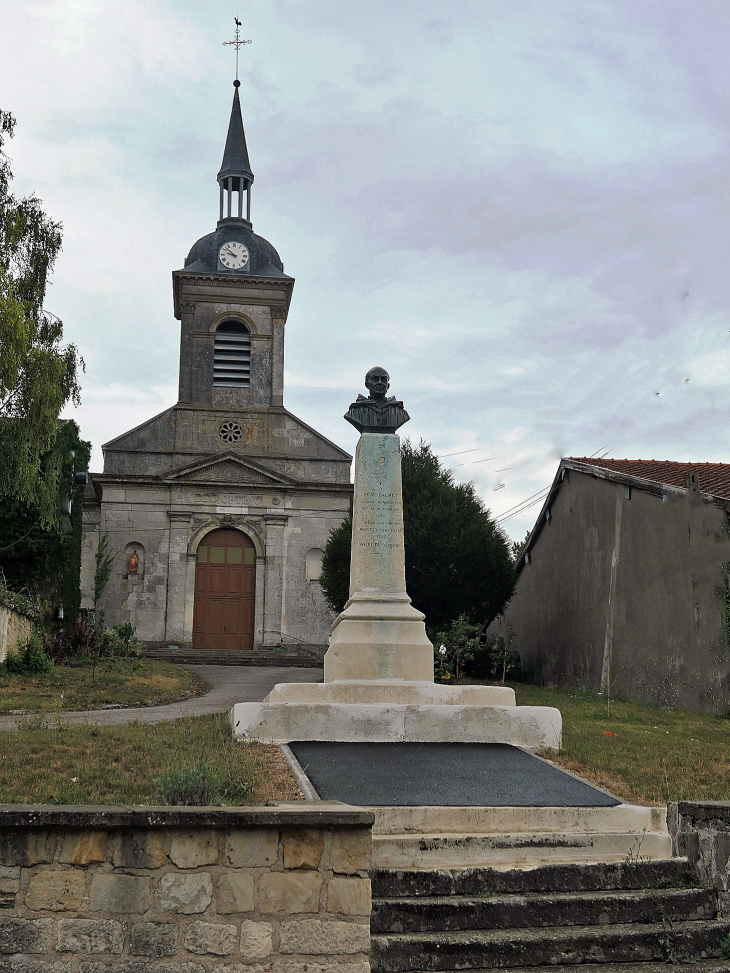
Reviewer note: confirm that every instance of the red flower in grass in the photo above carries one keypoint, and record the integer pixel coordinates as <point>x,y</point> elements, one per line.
<point>607,733</point>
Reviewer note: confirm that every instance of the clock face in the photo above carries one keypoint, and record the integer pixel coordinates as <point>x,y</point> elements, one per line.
<point>233,255</point>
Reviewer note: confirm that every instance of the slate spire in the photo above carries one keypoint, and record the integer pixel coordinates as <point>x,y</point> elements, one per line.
<point>235,175</point>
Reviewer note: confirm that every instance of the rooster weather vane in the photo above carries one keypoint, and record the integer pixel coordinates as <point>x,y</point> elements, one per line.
<point>236,42</point>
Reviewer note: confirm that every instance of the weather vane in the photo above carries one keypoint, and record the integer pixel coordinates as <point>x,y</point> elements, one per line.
<point>236,43</point>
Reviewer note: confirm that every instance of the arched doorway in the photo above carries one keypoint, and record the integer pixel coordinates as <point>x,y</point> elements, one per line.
<point>225,586</point>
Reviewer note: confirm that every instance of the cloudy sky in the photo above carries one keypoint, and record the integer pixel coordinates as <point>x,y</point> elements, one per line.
<point>521,208</point>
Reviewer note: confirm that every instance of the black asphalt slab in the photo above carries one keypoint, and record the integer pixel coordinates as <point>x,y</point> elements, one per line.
<point>441,774</point>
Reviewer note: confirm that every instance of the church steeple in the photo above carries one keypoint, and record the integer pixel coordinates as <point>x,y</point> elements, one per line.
<point>235,175</point>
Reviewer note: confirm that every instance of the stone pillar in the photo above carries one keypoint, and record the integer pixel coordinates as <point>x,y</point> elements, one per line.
<point>177,561</point>
<point>191,561</point>
<point>379,635</point>
<point>258,615</point>
<point>274,579</point>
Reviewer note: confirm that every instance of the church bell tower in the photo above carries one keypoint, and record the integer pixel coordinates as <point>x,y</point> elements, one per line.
<point>232,298</point>
<point>222,504</point>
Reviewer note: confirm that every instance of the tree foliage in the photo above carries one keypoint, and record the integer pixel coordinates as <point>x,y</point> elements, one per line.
<point>39,558</point>
<point>457,559</point>
<point>38,375</point>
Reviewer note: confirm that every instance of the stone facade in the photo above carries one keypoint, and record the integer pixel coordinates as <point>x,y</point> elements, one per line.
<point>221,457</point>
<point>700,833</point>
<point>13,626</point>
<point>91,890</point>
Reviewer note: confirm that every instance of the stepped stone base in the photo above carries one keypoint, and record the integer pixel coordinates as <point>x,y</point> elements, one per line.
<point>396,711</point>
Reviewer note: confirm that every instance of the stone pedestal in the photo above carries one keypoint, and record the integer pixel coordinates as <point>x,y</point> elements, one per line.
<point>379,635</point>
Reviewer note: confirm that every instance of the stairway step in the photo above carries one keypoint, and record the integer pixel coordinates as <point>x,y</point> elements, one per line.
<point>509,948</point>
<point>660,966</point>
<point>562,877</point>
<point>420,819</point>
<point>462,850</point>
<point>449,913</point>
<point>186,655</point>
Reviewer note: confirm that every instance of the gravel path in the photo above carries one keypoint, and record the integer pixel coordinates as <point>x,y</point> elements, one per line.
<point>229,685</point>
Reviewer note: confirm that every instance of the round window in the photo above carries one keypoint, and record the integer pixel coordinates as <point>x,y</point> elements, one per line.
<point>230,431</point>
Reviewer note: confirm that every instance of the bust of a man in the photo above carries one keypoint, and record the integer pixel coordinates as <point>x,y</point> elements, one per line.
<point>375,412</point>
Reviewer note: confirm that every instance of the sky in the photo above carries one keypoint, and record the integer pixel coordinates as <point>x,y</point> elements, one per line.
<point>520,209</point>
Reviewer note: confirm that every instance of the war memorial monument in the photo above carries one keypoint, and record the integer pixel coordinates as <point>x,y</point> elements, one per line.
<point>378,671</point>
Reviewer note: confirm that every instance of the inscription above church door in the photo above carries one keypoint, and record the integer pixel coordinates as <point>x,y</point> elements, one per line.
<point>225,586</point>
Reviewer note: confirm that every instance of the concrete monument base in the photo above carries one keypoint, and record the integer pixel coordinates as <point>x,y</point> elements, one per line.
<point>379,636</point>
<point>396,711</point>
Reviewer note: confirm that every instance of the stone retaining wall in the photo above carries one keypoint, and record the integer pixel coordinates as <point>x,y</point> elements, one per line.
<point>700,832</point>
<point>13,626</point>
<point>189,890</point>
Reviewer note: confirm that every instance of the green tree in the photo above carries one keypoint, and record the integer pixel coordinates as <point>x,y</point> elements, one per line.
<point>38,375</point>
<point>335,576</point>
<point>104,563</point>
<point>517,548</point>
<point>457,559</point>
<point>45,559</point>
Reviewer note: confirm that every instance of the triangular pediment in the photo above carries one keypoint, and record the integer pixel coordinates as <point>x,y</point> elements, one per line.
<point>229,468</point>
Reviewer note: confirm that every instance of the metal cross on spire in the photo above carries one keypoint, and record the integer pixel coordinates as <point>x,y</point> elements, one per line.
<point>237,42</point>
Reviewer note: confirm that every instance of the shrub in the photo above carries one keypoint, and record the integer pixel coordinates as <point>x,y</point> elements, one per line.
<point>123,640</point>
<point>91,639</point>
<point>454,647</point>
<point>193,786</point>
<point>29,659</point>
<point>198,786</point>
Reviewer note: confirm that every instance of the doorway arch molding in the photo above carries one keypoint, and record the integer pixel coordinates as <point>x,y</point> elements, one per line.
<point>249,528</point>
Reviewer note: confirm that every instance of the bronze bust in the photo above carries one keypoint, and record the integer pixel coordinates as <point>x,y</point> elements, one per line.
<point>375,412</point>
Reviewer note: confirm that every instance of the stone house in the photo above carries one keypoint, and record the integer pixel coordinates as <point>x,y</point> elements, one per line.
<point>219,508</point>
<point>624,582</point>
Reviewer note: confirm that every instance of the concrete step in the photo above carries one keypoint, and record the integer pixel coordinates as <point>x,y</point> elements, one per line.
<point>515,820</point>
<point>573,877</point>
<point>459,850</point>
<point>453,912</point>
<point>508,948</point>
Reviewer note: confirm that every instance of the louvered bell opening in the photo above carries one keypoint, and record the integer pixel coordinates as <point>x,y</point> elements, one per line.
<point>232,356</point>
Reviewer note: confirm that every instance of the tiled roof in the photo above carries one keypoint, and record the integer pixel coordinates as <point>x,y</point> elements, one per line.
<point>714,477</point>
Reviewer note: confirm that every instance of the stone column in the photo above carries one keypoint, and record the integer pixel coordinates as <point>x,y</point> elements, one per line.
<point>258,615</point>
<point>177,561</point>
<point>274,579</point>
<point>379,635</point>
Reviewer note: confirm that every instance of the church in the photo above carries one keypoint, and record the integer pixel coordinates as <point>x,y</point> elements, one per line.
<point>217,511</point>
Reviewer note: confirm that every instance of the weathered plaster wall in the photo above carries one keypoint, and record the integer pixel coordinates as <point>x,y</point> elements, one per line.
<point>13,626</point>
<point>99,890</point>
<point>628,587</point>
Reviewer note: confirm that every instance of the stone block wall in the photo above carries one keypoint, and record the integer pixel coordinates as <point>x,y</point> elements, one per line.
<point>700,832</point>
<point>167,890</point>
<point>13,626</point>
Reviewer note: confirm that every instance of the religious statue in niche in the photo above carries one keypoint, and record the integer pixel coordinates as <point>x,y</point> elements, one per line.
<point>133,562</point>
<point>375,412</point>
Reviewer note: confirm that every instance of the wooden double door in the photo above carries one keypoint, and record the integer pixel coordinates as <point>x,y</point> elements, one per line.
<point>225,590</point>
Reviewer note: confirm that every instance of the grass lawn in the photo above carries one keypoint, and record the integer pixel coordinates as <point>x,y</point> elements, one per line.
<point>653,756</point>
<point>119,765</point>
<point>130,682</point>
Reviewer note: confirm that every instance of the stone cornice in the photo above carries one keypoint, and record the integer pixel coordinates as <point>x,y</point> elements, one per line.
<point>273,291</point>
